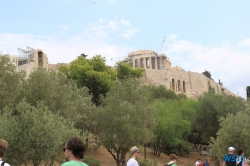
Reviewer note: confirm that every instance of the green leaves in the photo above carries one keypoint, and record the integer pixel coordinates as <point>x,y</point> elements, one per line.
<point>35,134</point>
<point>233,131</point>
<point>91,73</point>
<point>125,71</point>
<point>210,108</point>
<point>125,119</point>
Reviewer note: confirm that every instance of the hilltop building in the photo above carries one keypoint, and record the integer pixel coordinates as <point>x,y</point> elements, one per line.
<point>159,71</point>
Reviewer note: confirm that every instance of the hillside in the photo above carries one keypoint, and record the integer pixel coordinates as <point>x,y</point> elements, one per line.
<point>102,155</point>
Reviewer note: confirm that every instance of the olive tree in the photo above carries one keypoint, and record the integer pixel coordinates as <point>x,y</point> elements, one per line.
<point>125,120</point>
<point>34,134</point>
<point>234,131</point>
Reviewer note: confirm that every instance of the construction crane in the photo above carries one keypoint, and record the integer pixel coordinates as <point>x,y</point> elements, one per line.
<point>162,44</point>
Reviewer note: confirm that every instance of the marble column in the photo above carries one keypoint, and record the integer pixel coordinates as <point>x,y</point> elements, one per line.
<point>145,62</point>
<point>150,63</point>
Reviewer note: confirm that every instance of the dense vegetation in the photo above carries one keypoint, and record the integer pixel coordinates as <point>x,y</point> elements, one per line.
<point>90,99</point>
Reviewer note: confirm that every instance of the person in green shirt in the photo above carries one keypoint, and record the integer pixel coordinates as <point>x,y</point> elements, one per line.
<point>173,160</point>
<point>73,152</point>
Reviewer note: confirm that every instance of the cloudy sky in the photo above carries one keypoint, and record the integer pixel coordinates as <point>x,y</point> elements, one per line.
<point>200,35</point>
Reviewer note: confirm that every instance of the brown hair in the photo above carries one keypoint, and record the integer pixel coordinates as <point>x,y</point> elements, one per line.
<point>77,147</point>
<point>172,157</point>
<point>3,147</point>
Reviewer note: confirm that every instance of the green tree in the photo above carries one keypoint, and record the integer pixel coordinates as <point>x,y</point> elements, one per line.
<point>10,81</point>
<point>34,135</point>
<point>127,119</point>
<point>234,129</point>
<point>61,96</point>
<point>91,73</point>
<point>125,71</point>
<point>160,92</point>
<point>207,74</point>
<point>210,108</point>
<point>248,92</point>
<point>174,126</point>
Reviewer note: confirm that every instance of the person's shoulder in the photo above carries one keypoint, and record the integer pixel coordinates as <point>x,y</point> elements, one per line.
<point>5,164</point>
<point>73,163</point>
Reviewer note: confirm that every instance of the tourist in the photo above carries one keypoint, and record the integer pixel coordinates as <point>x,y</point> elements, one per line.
<point>241,160</point>
<point>173,160</point>
<point>206,162</point>
<point>198,162</point>
<point>73,152</point>
<point>230,158</point>
<point>3,149</point>
<point>135,153</point>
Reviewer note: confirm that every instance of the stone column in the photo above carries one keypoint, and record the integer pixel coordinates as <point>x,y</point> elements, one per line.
<point>133,63</point>
<point>145,62</point>
<point>156,62</point>
<point>150,63</point>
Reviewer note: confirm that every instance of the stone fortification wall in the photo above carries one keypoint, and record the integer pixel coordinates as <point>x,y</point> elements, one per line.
<point>190,83</point>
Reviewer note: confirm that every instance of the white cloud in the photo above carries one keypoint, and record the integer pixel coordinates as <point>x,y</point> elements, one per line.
<point>64,29</point>
<point>130,32</point>
<point>226,61</point>
<point>125,22</point>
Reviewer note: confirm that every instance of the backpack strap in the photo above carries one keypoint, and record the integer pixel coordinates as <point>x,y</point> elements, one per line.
<point>3,163</point>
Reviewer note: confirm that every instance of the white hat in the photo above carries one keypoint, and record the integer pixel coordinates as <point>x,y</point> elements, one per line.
<point>230,148</point>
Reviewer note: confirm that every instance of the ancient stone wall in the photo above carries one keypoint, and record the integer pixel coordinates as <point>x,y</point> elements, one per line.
<point>190,83</point>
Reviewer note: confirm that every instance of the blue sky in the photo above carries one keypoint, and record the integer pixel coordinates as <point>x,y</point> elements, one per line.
<point>212,35</point>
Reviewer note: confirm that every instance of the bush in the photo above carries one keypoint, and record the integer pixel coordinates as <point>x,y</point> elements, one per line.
<point>34,134</point>
<point>91,161</point>
<point>145,163</point>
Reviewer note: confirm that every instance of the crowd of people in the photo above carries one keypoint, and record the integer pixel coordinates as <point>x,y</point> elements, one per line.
<point>74,151</point>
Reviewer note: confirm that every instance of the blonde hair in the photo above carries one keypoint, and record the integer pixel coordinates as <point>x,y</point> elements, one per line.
<point>3,147</point>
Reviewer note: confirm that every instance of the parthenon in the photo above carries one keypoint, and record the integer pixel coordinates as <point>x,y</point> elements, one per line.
<point>159,71</point>
<point>149,59</point>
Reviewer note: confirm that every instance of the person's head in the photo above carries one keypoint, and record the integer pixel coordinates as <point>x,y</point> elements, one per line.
<point>240,152</point>
<point>231,149</point>
<point>74,148</point>
<point>3,148</point>
<point>173,157</point>
<point>135,151</point>
<point>207,160</point>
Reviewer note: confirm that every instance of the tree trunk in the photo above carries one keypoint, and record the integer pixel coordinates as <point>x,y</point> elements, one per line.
<point>145,151</point>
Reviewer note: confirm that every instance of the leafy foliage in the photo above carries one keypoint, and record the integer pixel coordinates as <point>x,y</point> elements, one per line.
<point>61,96</point>
<point>125,71</point>
<point>174,126</point>
<point>207,74</point>
<point>248,91</point>
<point>127,118</point>
<point>160,92</point>
<point>234,129</point>
<point>91,161</point>
<point>212,106</point>
<point>91,73</point>
<point>34,134</point>
<point>10,81</point>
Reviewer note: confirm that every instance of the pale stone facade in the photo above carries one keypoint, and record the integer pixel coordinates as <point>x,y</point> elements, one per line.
<point>29,60</point>
<point>158,71</point>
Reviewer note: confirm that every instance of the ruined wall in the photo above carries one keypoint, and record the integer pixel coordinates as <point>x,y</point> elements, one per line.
<point>190,83</point>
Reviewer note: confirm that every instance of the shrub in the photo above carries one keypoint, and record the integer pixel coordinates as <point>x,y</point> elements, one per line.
<point>92,161</point>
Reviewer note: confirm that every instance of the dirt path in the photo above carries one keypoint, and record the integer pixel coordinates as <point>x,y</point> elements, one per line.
<point>106,159</point>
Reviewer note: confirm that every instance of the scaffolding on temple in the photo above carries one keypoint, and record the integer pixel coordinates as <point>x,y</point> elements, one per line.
<point>24,55</point>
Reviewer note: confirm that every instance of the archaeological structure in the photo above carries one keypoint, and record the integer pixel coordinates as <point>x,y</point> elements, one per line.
<point>29,59</point>
<point>158,71</point>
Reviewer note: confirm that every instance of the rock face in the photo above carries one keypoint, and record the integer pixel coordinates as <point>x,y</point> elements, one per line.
<point>158,71</point>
